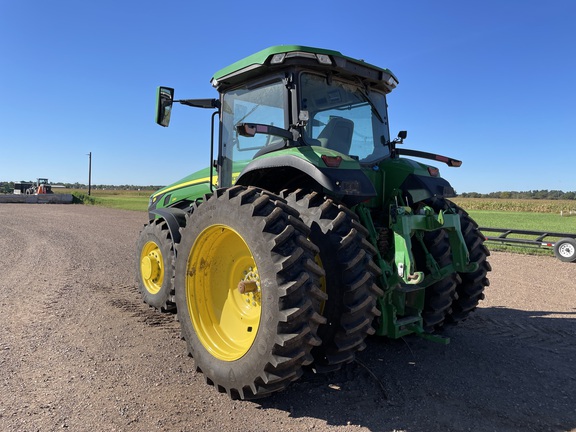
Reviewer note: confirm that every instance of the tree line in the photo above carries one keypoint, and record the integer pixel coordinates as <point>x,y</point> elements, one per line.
<point>8,187</point>
<point>533,194</point>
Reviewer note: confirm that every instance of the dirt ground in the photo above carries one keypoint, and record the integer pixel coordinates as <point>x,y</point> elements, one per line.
<point>80,351</point>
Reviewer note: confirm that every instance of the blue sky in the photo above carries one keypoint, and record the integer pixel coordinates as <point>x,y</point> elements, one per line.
<point>492,83</point>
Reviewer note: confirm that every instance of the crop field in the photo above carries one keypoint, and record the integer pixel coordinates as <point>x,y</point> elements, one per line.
<point>537,215</point>
<point>516,205</point>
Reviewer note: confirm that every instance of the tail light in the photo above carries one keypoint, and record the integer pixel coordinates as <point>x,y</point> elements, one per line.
<point>332,161</point>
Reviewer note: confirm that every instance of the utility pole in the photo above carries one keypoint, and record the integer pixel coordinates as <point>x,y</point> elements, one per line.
<point>89,172</point>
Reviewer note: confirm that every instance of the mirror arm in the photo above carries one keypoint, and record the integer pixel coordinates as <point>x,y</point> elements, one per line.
<point>251,129</point>
<point>200,103</point>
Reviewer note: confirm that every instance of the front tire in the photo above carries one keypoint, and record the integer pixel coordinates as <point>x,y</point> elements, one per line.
<point>155,266</point>
<point>246,283</point>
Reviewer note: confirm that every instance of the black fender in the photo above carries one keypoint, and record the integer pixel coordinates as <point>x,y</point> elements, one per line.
<point>419,188</point>
<point>276,173</point>
<point>174,217</point>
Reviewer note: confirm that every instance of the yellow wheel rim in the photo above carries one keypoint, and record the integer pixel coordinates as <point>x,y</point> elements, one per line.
<point>223,292</point>
<point>152,267</point>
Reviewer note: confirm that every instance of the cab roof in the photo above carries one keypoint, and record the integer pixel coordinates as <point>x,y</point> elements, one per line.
<point>281,56</point>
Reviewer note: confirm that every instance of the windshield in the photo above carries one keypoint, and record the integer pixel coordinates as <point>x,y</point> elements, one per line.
<point>345,117</point>
<point>255,105</point>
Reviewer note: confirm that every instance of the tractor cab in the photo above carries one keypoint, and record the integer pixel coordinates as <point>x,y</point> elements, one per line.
<point>292,96</point>
<point>333,113</point>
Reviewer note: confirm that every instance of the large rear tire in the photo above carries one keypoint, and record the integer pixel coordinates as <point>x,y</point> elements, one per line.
<point>246,285</point>
<point>155,266</point>
<point>439,296</point>
<point>347,259</point>
<point>470,289</point>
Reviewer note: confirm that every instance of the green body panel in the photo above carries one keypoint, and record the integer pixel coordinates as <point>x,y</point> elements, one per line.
<point>194,178</point>
<point>189,188</point>
<point>313,154</point>
<point>388,175</point>
<point>196,185</point>
<point>397,170</point>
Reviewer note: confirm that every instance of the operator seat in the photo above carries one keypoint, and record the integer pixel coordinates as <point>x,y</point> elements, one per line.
<point>337,135</point>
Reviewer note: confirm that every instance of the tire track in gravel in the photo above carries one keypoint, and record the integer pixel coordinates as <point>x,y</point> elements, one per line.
<point>535,331</point>
<point>31,288</point>
<point>80,297</point>
<point>32,280</point>
<point>143,313</point>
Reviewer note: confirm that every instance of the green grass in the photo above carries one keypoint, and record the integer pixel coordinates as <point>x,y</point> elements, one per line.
<point>534,215</point>
<point>525,221</point>
<point>119,199</point>
<point>127,203</point>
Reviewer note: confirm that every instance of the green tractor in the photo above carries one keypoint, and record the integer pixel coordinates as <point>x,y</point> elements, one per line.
<point>309,231</point>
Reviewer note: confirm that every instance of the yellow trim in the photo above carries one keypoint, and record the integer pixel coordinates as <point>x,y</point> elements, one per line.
<point>189,183</point>
<point>194,182</point>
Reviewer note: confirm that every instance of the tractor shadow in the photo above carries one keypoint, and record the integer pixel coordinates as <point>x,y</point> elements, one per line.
<point>505,370</point>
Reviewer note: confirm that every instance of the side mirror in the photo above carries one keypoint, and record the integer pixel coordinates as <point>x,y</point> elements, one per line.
<point>164,100</point>
<point>246,129</point>
<point>400,138</point>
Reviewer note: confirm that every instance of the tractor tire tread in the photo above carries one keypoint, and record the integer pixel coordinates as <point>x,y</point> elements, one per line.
<point>164,300</point>
<point>470,287</point>
<point>297,278</point>
<point>351,304</point>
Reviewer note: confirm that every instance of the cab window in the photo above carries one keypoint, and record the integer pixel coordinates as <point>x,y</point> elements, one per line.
<point>345,117</point>
<point>263,105</point>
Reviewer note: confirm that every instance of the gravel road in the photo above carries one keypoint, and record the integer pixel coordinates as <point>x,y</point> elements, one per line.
<point>79,350</point>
